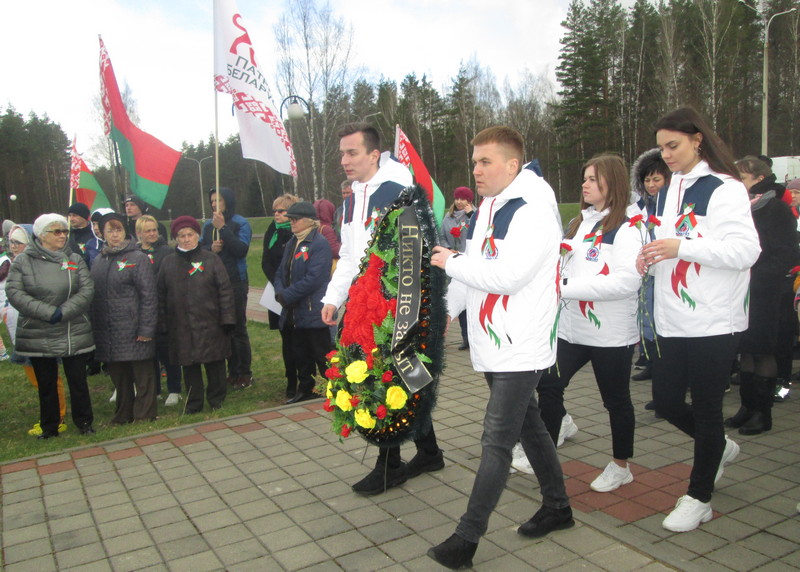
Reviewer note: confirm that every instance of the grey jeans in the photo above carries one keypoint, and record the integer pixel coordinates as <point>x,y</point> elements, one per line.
<point>512,415</point>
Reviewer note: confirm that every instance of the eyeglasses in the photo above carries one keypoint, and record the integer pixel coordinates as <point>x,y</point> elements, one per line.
<point>59,232</point>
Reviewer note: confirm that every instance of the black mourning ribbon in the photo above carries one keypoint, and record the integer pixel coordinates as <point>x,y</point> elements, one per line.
<point>409,297</point>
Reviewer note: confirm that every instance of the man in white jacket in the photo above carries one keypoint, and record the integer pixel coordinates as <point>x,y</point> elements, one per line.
<point>376,180</point>
<point>506,280</point>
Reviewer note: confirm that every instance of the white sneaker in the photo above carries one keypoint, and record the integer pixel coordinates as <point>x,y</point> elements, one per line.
<point>113,398</point>
<point>173,399</point>
<point>687,515</point>
<point>612,478</point>
<point>519,460</point>
<point>568,429</point>
<point>728,455</point>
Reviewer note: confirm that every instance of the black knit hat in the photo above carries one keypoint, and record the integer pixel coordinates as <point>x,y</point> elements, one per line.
<point>303,209</point>
<point>79,209</point>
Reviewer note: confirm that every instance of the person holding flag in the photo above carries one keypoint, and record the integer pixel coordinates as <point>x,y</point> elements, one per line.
<point>376,180</point>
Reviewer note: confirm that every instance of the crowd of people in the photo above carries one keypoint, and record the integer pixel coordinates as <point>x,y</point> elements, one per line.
<point>690,255</point>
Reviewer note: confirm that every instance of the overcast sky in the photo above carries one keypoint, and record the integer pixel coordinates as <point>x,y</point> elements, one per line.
<point>164,51</point>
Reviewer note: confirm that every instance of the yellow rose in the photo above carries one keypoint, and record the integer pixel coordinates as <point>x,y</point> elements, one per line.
<point>395,397</point>
<point>334,360</point>
<point>343,400</point>
<point>328,392</point>
<point>356,372</point>
<point>364,419</point>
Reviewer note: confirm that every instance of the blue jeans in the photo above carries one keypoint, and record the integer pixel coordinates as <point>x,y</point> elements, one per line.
<point>512,415</point>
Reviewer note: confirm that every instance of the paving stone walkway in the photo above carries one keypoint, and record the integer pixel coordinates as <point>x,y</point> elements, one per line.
<point>271,491</point>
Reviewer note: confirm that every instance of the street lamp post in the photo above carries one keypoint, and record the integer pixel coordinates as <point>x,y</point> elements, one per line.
<point>200,174</point>
<point>295,111</point>
<point>765,78</point>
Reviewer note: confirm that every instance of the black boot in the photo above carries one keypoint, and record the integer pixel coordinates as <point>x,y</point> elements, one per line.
<point>742,416</point>
<point>757,424</point>
<point>454,553</point>
<point>644,374</point>
<point>748,394</point>
<point>424,462</point>
<point>761,420</point>
<point>389,471</point>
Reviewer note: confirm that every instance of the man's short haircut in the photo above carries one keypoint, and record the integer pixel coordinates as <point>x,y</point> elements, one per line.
<point>346,184</point>
<point>509,138</point>
<point>143,220</point>
<point>372,139</point>
<point>754,166</point>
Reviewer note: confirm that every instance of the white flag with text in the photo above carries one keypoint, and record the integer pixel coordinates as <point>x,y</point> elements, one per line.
<point>236,72</point>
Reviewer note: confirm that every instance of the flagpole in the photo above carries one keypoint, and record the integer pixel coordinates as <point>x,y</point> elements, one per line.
<point>72,159</point>
<point>396,139</point>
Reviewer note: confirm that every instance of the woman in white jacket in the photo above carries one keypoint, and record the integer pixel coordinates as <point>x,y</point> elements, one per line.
<point>597,323</point>
<point>701,261</point>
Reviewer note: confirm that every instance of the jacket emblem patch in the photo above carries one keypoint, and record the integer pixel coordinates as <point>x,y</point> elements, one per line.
<point>196,267</point>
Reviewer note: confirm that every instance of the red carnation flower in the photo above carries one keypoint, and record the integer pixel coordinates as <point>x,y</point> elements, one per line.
<point>327,406</point>
<point>331,355</point>
<point>652,219</point>
<point>345,430</point>
<point>355,400</point>
<point>456,231</point>
<point>387,377</point>
<point>380,413</point>
<point>333,373</point>
<point>636,220</point>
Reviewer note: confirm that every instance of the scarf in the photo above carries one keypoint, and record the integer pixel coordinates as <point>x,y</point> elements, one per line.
<point>274,238</point>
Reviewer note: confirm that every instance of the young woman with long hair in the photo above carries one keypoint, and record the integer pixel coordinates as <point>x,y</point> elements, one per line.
<point>701,259</point>
<point>597,323</point>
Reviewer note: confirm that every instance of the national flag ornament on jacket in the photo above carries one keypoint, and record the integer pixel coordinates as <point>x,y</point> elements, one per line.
<point>83,186</point>
<point>149,162</point>
<point>409,157</point>
<point>236,71</point>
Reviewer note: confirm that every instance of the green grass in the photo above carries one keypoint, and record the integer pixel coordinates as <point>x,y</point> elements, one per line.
<point>21,403</point>
<point>568,212</point>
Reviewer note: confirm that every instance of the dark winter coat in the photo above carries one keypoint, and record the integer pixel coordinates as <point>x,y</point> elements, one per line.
<point>157,253</point>
<point>195,307</point>
<point>302,279</point>
<point>125,305</point>
<point>78,239</point>
<point>271,257</point>
<point>39,283</point>
<point>236,235</point>
<point>776,227</point>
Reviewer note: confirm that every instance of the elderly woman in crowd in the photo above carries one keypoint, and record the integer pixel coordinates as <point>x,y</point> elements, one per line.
<point>124,320</point>
<point>196,312</point>
<point>156,248</point>
<point>275,239</point>
<point>19,237</point>
<point>300,284</point>
<point>51,289</point>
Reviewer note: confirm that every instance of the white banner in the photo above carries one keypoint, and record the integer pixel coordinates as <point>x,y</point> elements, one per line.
<point>236,72</point>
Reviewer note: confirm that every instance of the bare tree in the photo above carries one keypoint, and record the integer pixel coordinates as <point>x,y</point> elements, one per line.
<point>314,48</point>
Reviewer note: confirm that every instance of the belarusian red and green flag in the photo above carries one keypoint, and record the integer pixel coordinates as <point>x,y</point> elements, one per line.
<point>409,157</point>
<point>149,162</point>
<point>83,187</point>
